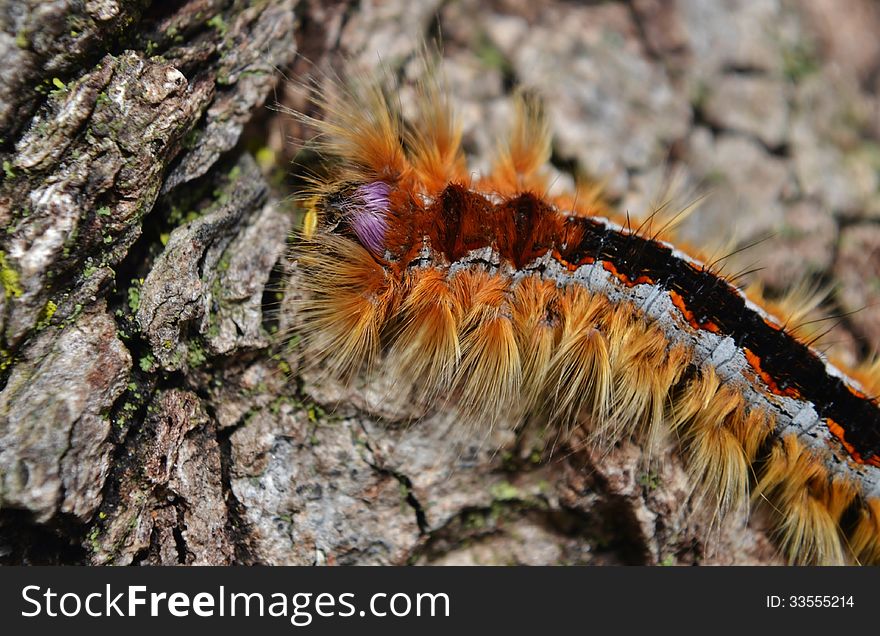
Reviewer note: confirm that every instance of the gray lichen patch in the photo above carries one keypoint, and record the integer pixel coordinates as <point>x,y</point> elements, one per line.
<point>170,507</point>
<point>210,277</point>
<point>297,515</point>
<point>237,323</point>
<point>652,504</point>
<point>99,103</point>
<point>52,39</point>
<point>245,76</point>
<point>93,159</point>
<point>54,424</point>
<point>104,144</point>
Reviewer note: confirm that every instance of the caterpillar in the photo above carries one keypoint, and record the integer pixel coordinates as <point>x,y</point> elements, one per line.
<point>516,305</point>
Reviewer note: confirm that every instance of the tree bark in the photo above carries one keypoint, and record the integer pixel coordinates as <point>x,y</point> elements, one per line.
<point>138,240</point>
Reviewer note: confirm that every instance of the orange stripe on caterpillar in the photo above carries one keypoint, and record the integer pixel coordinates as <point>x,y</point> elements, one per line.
<point>679,302</point>
<point>755,362</point>
<point>838,432</point>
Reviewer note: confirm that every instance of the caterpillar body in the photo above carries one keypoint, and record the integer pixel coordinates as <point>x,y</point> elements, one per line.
<point>553,308</point>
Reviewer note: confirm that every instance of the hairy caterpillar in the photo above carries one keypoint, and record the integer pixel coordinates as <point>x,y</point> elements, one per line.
<point>524,306</point>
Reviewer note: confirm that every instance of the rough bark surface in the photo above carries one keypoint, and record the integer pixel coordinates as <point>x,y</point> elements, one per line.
<point>147,414</point>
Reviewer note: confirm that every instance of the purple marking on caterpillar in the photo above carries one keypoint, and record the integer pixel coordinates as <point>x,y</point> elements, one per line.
<point>368,220</point>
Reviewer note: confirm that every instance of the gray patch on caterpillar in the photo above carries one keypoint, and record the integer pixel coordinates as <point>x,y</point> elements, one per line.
<point>646,295</point>
<point>426,255</point>
<point>728,359</point>
<point>486,257</point>
<point>486,254</point>
<point>795,417</point>
<point>534,268</point>
<point>806,420</point>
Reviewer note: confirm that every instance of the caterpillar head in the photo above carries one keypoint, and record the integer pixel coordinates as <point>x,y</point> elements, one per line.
<point>356,210</point>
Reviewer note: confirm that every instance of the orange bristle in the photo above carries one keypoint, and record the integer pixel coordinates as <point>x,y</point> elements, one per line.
<point>435,145</point>
<point>351,298</point>
<point>536,317</point>
<point>426,345</point>
<point>518,162</point>
<point>578,380</point>
<point>490,374</point>
<point>808,503</point>
<point>865,539</point>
